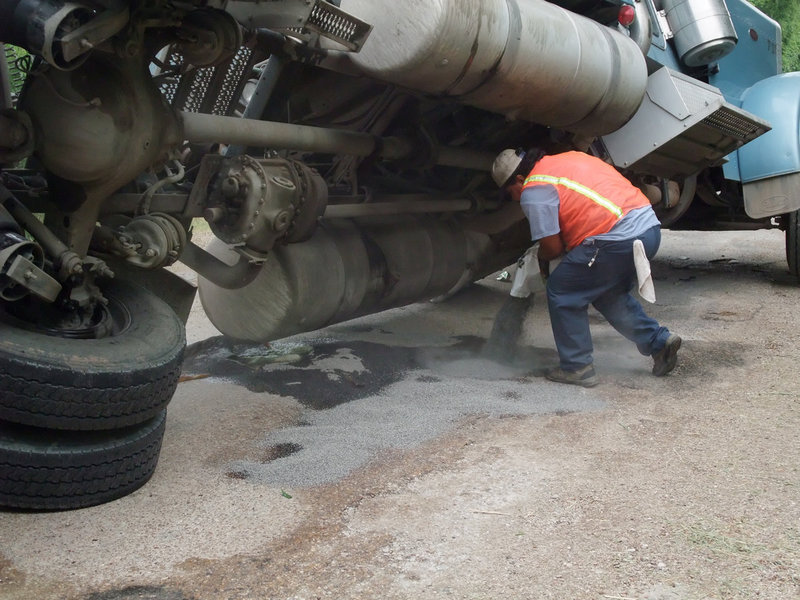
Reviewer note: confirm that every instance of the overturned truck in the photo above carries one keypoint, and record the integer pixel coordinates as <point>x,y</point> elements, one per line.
<point>339,152</point>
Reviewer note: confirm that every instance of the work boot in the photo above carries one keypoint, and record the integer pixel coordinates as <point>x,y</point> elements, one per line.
<point>665,359</point>
<point>584,377</point>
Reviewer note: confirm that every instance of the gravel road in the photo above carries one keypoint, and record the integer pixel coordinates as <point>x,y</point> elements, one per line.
<point>385,458</point>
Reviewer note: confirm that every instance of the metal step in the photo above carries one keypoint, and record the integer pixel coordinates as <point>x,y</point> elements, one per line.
<point>682,127</point>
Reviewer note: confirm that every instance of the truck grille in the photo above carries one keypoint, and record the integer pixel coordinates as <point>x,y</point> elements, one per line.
<point>331,22</point>
<point>215,90</point>
<point>731,123</point>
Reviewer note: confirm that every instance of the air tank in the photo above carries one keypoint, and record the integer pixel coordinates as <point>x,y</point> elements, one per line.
<point>703,30</point>
<point>526,59</point>
<point>349,269</point>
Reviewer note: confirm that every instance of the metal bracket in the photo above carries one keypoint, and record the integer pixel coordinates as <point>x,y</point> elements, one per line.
<point>33,279</point>
<point>102,27</point>
<point>302,19</point>
<point>661,15</point>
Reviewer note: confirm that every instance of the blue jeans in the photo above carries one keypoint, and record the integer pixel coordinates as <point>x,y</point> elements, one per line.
<point>602,274</point>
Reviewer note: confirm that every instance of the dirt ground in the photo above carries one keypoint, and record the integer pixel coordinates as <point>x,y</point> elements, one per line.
<point>677,488</point>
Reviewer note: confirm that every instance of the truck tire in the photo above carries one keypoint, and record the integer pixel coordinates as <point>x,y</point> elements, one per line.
<point>59,470</point>
<point>793,243</point>
<point>116,381</point>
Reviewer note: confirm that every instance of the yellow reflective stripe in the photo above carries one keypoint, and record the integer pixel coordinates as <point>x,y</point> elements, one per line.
<point>577,187</point>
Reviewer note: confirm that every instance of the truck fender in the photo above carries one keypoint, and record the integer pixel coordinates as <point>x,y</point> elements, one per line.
<point>769,166</point>
<point>777,152</point>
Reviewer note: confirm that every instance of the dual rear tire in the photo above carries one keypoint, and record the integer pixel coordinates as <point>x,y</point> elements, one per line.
<point>59,470</point>
<point>82,420</point>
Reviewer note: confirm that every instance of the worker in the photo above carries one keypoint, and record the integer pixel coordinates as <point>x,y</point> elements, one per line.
<point>583,210</point>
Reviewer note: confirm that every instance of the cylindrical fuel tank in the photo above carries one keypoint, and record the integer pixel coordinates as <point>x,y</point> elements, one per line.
<point>703,30</point>
<point>346,270</point>
<point>526,59</point>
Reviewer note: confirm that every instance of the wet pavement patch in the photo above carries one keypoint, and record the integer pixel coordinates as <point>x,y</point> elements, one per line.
<point>280,451</point>
<point>363,398</point>
<point>324,374</point>
<point>140,593</point>
<point>366,398</point>
<point>273,452</point>
<point>320,376</point>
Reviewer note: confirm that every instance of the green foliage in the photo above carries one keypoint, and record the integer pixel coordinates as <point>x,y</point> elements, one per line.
<point>787,13</point>
<point>18,62</point>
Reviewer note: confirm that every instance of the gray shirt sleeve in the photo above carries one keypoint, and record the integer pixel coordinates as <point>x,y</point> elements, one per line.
<point>540,204</point>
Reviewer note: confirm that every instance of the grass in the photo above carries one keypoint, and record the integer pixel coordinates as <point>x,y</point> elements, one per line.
<point>708,537</point>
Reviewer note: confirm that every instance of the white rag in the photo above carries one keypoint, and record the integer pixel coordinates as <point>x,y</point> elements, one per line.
<point>528,279</point>
<point>645,279</point>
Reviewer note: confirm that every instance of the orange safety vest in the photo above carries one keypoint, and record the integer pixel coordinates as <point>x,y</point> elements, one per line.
<point>592,194</point>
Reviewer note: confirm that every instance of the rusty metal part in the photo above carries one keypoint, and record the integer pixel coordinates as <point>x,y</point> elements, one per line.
<point>66,261</point>
<point>227,276</point>
<point>303,19</point>
<point>103,124</point>
<point>145,242</point>
<point>670,213</point>
<point>208,37</point>
<point>21,267</point>
<point>106,117</point>
<point>39,26</point>
<point>410,204</point>
<point>499,221</point>
<point>127,202</point>
<point>653,192</point>
<point>170,177</point>
<point>16,136</point>
<point>104,25</point>
<point>256,203</point>
<point>670,193</point>
<point>274,135</point>
<point>262,92</point>
<point>61,32</point>
<point>21,262</point>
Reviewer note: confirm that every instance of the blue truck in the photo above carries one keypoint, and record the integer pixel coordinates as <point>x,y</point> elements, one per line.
<point>339,151</point>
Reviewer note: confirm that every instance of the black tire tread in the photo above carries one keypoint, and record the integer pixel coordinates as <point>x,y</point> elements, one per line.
<point>53,405</point>
<point>90,385</point>
<point>46,470</point>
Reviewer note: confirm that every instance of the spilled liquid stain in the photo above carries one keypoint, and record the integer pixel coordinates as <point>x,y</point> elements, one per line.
<point>355,408</point>
<point>326,374</point>
<point>280,451</point>
<point>320,377</point>
<point>140,593</point>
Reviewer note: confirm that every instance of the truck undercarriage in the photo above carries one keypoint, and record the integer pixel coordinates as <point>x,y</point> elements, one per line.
<point>339,152</point>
